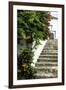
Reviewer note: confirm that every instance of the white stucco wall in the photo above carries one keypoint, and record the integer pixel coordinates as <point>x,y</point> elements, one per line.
<point>38,50</point>
<point>54,24</point>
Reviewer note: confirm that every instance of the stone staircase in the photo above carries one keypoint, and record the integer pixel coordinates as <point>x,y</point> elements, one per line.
<point>47,64</point>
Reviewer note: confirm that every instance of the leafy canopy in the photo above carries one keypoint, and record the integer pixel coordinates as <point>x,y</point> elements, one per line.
<point>33,25</point>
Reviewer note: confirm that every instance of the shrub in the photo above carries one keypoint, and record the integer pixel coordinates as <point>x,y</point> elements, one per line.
<point>25,70</point>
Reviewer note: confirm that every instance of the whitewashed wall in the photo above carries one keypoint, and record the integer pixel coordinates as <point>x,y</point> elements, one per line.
<point>38,50</point>
<point>54,24</point>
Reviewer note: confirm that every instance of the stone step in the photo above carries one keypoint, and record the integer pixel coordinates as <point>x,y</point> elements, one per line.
<point>50,65</point>
<point>46,75</point>
<point>46,68</point>
<point>48,56</point>
<point>50,48</point>
<point>46,64</point>
<point>47,60</point>
<point>48,53</point>
<point>52,42</point>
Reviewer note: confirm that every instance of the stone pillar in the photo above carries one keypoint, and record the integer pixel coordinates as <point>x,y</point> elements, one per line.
<point>51,36</point>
